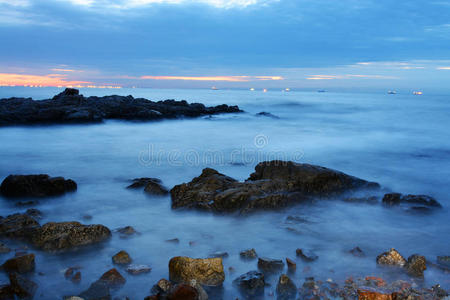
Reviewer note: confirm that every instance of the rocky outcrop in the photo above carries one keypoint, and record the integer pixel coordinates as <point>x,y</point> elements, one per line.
<point>36,186</point>
<point>269,265</point>
<point>273,185</point>
<point>20,264</point>
<point>208,271</point>
<point>251,284</point>
<point>151,186</point>
<point>71,107</point>
<point>416,265</point>
<point>391,257</point>
<point>393,199</point>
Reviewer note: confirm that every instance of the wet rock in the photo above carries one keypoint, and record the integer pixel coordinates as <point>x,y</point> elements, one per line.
<point>20,264</point>
<point>286,288</point>
<point>292,266</point>
<point>6,292</point>
<point>26,203</point>
<point>76,278</point>
<point>444,260</point>
<point>112,278</point>
<point>267,114</point>
<point>373,294</point>
<point>162,286</point>
<point>306,255</point>
<point>250,284</point>
<point>393,199</point>
<point>174,241</point>
<point>273,185</point>
<point>121,258</point>
<point>391,257</point>
<point>18,226</point>
<point>66,235</point>
<point>69,273</point>
<point>151,186</point>
<point>248,254</point>
<point>4,248</point>
<point>126,232</point>
<point>219,254</point>
<point>74,108</point>
<point>35,213</point>
<point>98,290</point>
<point>297,220</point>
<point>357,252</point>
<point>36,186</point>
<point>208,271</point>
<point>416,265</point>
<point>138,269</point>
<point>22,287</point>
<point>268,265</point>
<point>183,292</point>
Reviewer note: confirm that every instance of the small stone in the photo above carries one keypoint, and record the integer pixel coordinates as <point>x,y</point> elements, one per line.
<point>174,241</point>
<point>22,287</point>
<point>248,254</point>
<point>162,286</point>
<point>269,265</point>
<point>219,254</point>
<point>76,278</point>
<point>250,284</point>
<point>306,255</point>
<point>113,278</point>
<point>286,288</point>
<point>292,266</point>
<point>357,252</point>
<point>121,258</point>
<point>415,265</point>
<point>138,269</point>
<point>20,264</point>
<point>392,257</point>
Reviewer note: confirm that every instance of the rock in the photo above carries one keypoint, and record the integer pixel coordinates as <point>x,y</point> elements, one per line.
<point>162,286</point>
<point>18,226</point>
<point>69,273</point>
<point>35,213</point>
<point>76,278</point>
<point>174,241</point>
<point>208,271</point>
<point>6,292</point>
<point>219,254</point>
<point>121,258</point>
<point>65,235</point>
<point>268,265</point>
<point>267,114</point>
<point>372,294</point>
<point>74,108</point>
<point>392,257</point>
<point>393,199</point>
<point>444,260</point>
<point>98,290</point>
<point>306,255</point>
<point>357,252</point>
<point>4,248</point>
<point>292,266</point>
<point>22,287</point>
<point>113,278</point>
<point>250,284</point>
<point>126,231</point>
<point>138,269</point>
<point>415,265</point>
<point>36,186</point>
<point>248,254</point>
<point>151,186</point>
<point>273,185</point>
<point>286,288</point>
<point>20,264</point>
<point>183,292</point>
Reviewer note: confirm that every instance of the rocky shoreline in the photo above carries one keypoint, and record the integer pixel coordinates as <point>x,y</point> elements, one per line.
<point>273,185</point>
<point>71,107</point>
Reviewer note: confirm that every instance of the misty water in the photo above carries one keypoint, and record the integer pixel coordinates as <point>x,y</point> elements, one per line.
<point>401,141</point>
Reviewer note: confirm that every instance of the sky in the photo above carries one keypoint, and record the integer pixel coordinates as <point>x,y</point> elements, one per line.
<point>384,44</point>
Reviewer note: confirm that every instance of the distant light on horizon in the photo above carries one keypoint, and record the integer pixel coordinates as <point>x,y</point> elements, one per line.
<point>214,78</point>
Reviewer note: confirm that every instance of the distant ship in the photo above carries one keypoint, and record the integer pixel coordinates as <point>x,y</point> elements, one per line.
<point>417,93</point>
<point>392,92</point>
<point>321,91</point>
<point>214,88</point>
<point>252,89</point>
<point>287,89</point>
<point>264,90</point>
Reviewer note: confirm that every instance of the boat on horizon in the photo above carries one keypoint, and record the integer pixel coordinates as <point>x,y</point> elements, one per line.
<point>321,91</point>
<point>214,88</point>
<point>417,93</point>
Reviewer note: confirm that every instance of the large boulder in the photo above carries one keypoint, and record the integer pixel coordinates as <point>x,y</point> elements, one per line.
<point>22,287</point>
<point>36,186</point>
<point>65,235</point>
<point>416,265</point>
<point>207,271</point>
<point>274,184</point>
<point>20,264</point>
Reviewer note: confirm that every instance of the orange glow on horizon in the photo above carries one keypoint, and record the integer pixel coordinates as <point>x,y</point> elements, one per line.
<point>11,79</point>
<point>214,78</point>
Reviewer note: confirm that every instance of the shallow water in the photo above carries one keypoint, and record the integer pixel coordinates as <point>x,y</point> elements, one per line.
<point>400,141</point>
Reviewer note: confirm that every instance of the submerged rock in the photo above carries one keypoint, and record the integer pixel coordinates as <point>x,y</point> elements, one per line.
<point>268,265</point>
<point>22,287</point>
<point>444,260</point>
<point>151,186</point>
<point>267,114</point>
<point>65,235</point>
<point>18,226</point>
<point>273,185</point>
<point>391,257</point>
<point>357,252</point>
<point>416,265</point>
<point>250,284</point>
<point>306,255</point>
<point>20,264</point>
<point>208,271</point>
<point>98,290</point>
<point>138,269</point>
<point>121,258</point>
<point>286,288</point>
<point>113,278</point>
<point>292,266</point>
<point>393,199</point>
<point>36,186</point>
<point>70,107</point>
<point>248,254</point>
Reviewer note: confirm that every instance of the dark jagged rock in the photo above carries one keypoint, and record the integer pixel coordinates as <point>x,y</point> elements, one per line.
<point>20,264</point>
<point>113,278</point>
<point>391,257</point>
<point>306,255</point>
<point>273,185</point>
<point>66,235</point>
<point>357,252</point>
<point>393,199</point>
<point>22,287</point>
<point>250,284</point>
<point>415,265</point>
<point>20,226</point>
<point>248,254</point>
<point>151,186</point>
<point>6,292</point>
<point>4,248</point>
<point>162,286</point>
<point>98,290</point>
<point>268,265</point>
<point>267,114</point>
<point>70,107</point>
<point>36,186</point>
<point>286,289</point>
<point>207,271</point>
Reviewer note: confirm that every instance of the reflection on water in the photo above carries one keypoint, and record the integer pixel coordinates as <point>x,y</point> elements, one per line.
<point>399,141</point>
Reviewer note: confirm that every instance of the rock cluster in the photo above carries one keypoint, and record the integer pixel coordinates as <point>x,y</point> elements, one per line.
<point>414,266</point>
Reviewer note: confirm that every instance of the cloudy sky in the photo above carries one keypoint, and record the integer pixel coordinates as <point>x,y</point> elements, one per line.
<point>385,44</point>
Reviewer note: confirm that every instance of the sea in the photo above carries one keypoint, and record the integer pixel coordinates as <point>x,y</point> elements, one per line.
<point>401,141</point>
